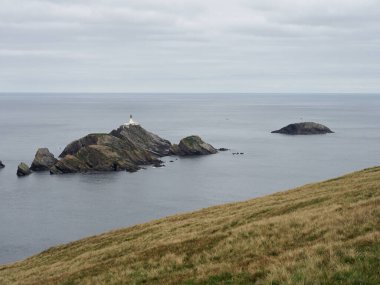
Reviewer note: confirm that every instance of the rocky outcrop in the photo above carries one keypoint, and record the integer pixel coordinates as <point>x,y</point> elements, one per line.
<point>102,152</point>
<point>23,169</point>
<point>43,160</point>
<point>127,148</point>
<point>1,164</point>
<point>306,128</point>
<point>142,139</point>
<point>175,150</point>
<point>192,145</point>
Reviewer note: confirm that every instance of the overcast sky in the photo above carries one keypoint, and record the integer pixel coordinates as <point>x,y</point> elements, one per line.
<point>190,45</point>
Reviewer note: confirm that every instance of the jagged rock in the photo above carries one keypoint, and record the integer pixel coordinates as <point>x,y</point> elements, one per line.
<point>1,164</point>
<point>126,148</point>
<point>306,128</point>
<point>69,164</point>
<point>175,150</point>
<point>159,164</point>
<point>75,146</point>
<point>192,145</point>
<point>102,152</point>
<point>142,139</point>
<point>23,169</point>
<point>43,160</point>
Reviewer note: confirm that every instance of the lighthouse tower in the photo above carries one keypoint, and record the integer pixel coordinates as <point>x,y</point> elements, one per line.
<point>131,122</point>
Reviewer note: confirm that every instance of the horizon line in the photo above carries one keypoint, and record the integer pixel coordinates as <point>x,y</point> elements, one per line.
<point>181,92</point>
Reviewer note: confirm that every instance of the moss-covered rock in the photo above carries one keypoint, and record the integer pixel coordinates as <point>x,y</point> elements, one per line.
<point>126,148</point>
<point>192,145</point>
<point>306,128</point>
<point>175,150</point>
<point>69,164</point>
<point>43,160</point>
<point>73,147</point>
<point>23,169</point>
<point>108,152</point>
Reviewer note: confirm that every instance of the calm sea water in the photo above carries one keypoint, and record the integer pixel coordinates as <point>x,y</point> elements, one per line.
<point>41,210</point>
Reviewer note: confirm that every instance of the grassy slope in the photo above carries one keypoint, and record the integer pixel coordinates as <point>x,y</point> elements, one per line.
<point>324,233</point>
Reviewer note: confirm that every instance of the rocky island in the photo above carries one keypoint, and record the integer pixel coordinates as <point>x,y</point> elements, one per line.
<point>102,152</point>
<point>127,148</point>
<point>192,145</point>
<point>1,164</point>
<point>305,128</point>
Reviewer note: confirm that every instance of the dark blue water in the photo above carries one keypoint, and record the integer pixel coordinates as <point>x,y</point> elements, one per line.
<point>41,210</point>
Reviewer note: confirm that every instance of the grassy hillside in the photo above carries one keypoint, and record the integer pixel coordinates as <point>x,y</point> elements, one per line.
<point>324,233</point>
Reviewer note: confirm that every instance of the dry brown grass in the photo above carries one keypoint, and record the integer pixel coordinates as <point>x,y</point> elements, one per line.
<point>324,233</point>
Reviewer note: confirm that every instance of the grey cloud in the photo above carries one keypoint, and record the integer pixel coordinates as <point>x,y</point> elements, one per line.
<point>190,46</point>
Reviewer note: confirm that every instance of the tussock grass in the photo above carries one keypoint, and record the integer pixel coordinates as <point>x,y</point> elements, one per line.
<point>323,233</point>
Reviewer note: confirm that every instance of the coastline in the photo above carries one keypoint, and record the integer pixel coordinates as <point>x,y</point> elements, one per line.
<point>309,216</point>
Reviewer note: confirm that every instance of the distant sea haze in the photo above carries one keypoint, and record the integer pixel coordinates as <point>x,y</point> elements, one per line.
<point>43,210</point>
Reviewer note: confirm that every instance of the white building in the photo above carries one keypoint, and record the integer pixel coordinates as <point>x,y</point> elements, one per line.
<point>131,122</point>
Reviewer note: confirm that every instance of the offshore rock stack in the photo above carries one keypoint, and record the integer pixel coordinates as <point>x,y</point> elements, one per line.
<point>23,170</point>
<point>43,160</point>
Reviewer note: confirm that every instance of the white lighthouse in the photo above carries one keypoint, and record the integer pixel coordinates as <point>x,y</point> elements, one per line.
<point>131,122</point>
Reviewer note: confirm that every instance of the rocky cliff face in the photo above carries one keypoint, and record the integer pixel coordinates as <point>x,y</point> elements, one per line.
<point>142,139</point>
<point>192,145</point>
<point>43,160</point>
<point>306,128</point>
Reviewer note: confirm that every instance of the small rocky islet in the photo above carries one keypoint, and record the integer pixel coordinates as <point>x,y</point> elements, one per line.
<point>127,148</point>
<point>304,128</point>
<point>23,170</point>
<point>43,160</point>
<point>192,145</point>
<point>1,164</point>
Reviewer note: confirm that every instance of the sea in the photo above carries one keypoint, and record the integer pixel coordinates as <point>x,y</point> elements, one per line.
<point>43,210</point>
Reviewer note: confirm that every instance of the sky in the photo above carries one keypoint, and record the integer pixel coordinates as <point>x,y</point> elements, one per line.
<point>190,46</point>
